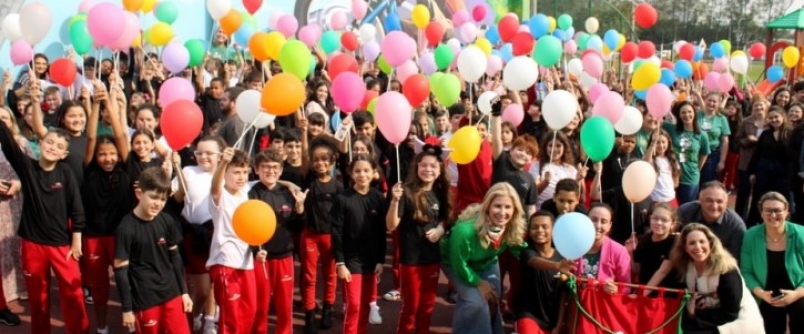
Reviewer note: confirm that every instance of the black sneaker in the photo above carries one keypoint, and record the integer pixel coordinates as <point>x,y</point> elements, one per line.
<point>9,319</point>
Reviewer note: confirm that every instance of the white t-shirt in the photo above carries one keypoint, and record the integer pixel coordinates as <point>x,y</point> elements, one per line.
<point>452,173</point>
<point>227,249</point>
<point>664,191</point>
<point>196,199</point>
<point>557,173</point>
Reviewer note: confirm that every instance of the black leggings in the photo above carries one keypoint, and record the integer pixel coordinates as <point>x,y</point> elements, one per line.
<point>776,317</point>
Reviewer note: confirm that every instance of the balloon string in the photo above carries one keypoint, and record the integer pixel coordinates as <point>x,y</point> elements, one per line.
<point>245,131</point>
<point>633,230</point>
<point>253,138</point>
<point>398,170</point>
<point>349,146</point>
<point>264,269</point>
<point>553,146</point>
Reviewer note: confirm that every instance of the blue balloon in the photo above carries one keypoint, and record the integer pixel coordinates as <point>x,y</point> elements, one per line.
<point>243,34</point>
<point>507,51</point>
<point>573,235</point>
<point>698,54</point>
<point>497,53</point>
<point>493,35</point>
<point>775,73</point>
<point>568,34</point>
<point>595,43</point>
<point>683,69</point>
<point>612,39</point>
<point>717,50</point>
<point>558,33</point>
<point>392,22</point>
<point>539,25</point>
<point>668,77</point>
<point>641,94</point>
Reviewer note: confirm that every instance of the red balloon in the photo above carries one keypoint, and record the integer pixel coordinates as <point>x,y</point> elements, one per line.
<point>349,41</point>
<point>647,49</point>
<point>668,65</point>
<point>370,95</point>
<point>629,52</point>
<point>252,6</point>
<point>181,123</point>
<point>645,15</point>
<point>434,33</point>
<point>63,72</point>
<point>478,13</point>
<point>522,43</point>
<point>757,50</point>
<point>508,27</point>
<point>416,89</point>
<point>686,51</point>
<point>340,63</point>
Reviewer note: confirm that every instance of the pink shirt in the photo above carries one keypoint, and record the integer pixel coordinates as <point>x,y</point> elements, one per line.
<point>615,263</point>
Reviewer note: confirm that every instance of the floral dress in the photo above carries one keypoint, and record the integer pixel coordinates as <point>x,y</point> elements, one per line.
<point>10,214</point>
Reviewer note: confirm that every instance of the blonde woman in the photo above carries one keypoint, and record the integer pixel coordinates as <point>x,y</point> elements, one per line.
<point>469,258</point>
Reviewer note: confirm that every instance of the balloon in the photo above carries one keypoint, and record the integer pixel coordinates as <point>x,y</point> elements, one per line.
<point>757,50</point>
<point>254,222</point>
<point>416,89</point>
<point>420,16</point>
<point>508,27</point>
<point>548,51</point>
<point>175,89</point>
<point>248,106</point>
<point>646,49</point>
<point>645,76</point>
<point>338,20</point>
<point>686,52</point>
<point>790,56</point>
<point>559,108</point>
<point>446,88</point>
<point>668,78</point>
<point>484,101</point>
<point>231,22</point>
<point>252,6</point>
<point>659,100</point>
<point>34,21</point>
<point>597,137</point>
<point>592,64</point>
<point>645,15</point>
<point>195,48</point>
<point>521,73</point>
<point>132,5</point>
<point>443,56</point>
<point>683,69</point>
<point>244,33</point>
<point>348,90</point>
<point>384,66</point>
<point>181,123</point>
<point>591,25</point>
<point>700,70</point>
<point>571,47</point>
<point>342,63</point>
<point>359,8</point>
<point>575,67</point>
<point>330,41</point>
<point>175,57</point>
<point>471,63</point>
<point>166,11</point>
<point>367,32</point>
<point>466,33</point>
<point>611,38</point>
<point>573,235</point>
<point>597,90</point>
<point>294,59</point>
<point>130,33</point>
<point>371,50</point>
<point>404,71</point>
<point>717,50</point>
<point>160,34</point>
<point>80,38</point>
<point>494,65</point>
<point>513,114</point>
<point>465,145</point>
<point>492,34</point>
<point>583,40</point>
<point>105,21</point>
<point>460,17</point>
<point>631,121</point>
<point>274,43</point>
<point>610,105</point>
<point>594,43</point>
<point>539,25</point>
<point>310,34</point>
<point>397,47</point>
<point>725,82</point>
<point>63,71</point>
<point>434,33</point>
<point>720,65</point>
<point>258,45</point>
<point>564,21</point>
<point>739,63</point>
<point>287,25</point>
<point>283,95</point>
<point>21,52</point>
<point>726,45</point>
<point>147,6</point>
<point>219,8</point>
<point>11,27</point>
<point>484,45</point>
<point>775,73</point>
<point>393,117</point>
<point>478,13</point>
<point>638,181</point>
<point>349,41</point>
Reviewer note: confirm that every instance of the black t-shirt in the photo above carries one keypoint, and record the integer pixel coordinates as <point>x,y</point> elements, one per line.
<point>75,158</point>
<point>318,205</point>
<point>135,166</point>
<point>540,297</point>
<point>146,245</point>
<point>287,220</point>
<point>650,254</point>
<point>522,181</point>
<point>107,198</point>
<point>358,230</point>
<point>414,248</point>
<point>292,174</point>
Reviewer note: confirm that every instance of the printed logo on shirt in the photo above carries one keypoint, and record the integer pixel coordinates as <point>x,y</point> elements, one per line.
<point>373,212</point>
<point>434,207</point>
<point>150,323</point>
<point>161,242</point>
<point>287,278</point>
<point>234,297</point>
<point>56,185</point>
<point>284,209</point>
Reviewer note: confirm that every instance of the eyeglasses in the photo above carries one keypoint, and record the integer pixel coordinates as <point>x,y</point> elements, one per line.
<point>774,212</point>
<point>205,153</point>
<point>272,167</point>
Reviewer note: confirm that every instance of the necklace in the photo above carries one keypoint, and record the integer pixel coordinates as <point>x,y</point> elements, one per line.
<point>777,239</point>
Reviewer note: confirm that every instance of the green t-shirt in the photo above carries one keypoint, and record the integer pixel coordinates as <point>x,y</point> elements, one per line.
<point>689,147</point>
<point>714,127</point>
<point>462,251</point>
<point>642,143</point>
<point>224,53</point>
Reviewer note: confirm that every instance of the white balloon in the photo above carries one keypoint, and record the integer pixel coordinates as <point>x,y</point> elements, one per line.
<point>471,63</point>
<point>520,73</point>
<point>592,25</point>
<point>11,27</point>
<point>677,45</point>
<point>587,80</point>
<point>559,108</point>
<point>35,20</point>
<point>248,106</point>
<point>264,120</point>
<point>367,32</point>
<point>218,8</point>
<point>739,64</point>
<point>575,67</point>
<point>630,122</point>
<point>467,33</point>
<point>484,101</point>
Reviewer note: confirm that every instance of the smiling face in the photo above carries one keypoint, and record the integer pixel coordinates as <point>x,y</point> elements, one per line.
<point>293,150</point>
<point>687,115</point>
<point>501,210</point>
<point>697,247</point>
<point>207,155</point>
<point>142,145</point>
<point>712,102</point>
<point>322,160</point>
<point>428,169</point>
<point>106,156</point>
<point>40,65</point>
<point>782,98</point>
<point>520,156</point>
<point>661,222</point>
<point>236,177</point>
<point>362,173</point>
<point>53,147</point>
<point>775,118</point>
<point>269,172</point>
<point>662,144</point>
<point>541,230</point>
<point>774,213</point>
<point>795,113</point>
<point>555,148</point>
<point>322,93</point>
<point>649,123</point>
<point>75,119</point>
<point>601,218</point>
<point>713,203</point>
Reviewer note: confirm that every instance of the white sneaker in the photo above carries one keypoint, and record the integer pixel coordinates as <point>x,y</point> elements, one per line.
<point>105,330</point>
<point>374,315</point>
<point>210,328</point>
<point>198,322</point>
<point>392,296</point>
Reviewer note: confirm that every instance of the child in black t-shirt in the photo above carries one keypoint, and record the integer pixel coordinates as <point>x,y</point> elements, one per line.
<point>651,259</point>
<point>147,266</point>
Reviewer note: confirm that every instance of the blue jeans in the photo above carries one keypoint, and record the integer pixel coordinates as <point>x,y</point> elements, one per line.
<point>472,314</point>
<point>686,193</point>
<point>709,171</point>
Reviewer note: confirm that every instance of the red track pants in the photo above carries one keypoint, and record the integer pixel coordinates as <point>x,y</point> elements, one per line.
<point>98,257</point>
<point>235,294</point>
<point>274,283</point>
<point>317,246</point>
<point>166,318</point>
<point>529,326</point>
<point>358,294</point>
<point>418,297</point>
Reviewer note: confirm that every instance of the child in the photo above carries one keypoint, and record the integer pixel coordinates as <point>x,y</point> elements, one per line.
<point>420,209</point>
<point>51,226</point>
<point>661,155</point>
<point>318,124</point>
<point>210,103</point>
<point>566,198</point>
<point>442,126</point>
<point>292,166</point>
<point>142,154</point>
<point>508,134</point>
<point>147,265</point>
<point>358,239</point>
<point>52,103</point>
<point>276,256</point>
<point>230,263</point>
<point>651,260</point>
<point>557,162</point>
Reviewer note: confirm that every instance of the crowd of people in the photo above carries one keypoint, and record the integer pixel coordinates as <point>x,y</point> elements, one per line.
<point>88,183</point>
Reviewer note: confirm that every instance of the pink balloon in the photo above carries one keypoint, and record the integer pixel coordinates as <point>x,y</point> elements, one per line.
<point>467,33</point>
<point>309,34</point>
<point>610,105</point>
<point>404,71</point>
<point>86,6</point>
<point>478,13</point>
<point>524,28</point>
<point>348,90</point>
<point>659,99</point>
<point>571,47</point>
<point>711,81</point>
<point>274,19</point>
<point>106,22</point>
<point>333,55</point>
<point>513,114</point>
<point>21,52</point>
<point>494,65</point>
<point>593,65</point>
<point>132,29</point>
<point>597,90</point>
<point>175,57</point>
<point>338,20</point>
<point>725,82</point>
<point>720,65</point>
<point>359,8</point>
<point>460,17</point>
<point>397,47</point>
<point>393,116</point>
<point>427,63</point>
<point>287,25</point>
<point>175,89</point>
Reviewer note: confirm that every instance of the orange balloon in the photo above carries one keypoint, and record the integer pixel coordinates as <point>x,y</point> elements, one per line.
<point>132,5</point>
<point>258,45</point>
<point>700,71</point>
<point>283,95</point>
<point>231,22</point>
<point>254,222</point>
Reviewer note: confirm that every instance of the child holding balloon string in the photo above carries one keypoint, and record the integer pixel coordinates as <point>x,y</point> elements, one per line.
<point>662,156</point>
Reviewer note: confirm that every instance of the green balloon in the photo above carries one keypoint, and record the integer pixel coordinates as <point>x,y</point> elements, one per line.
<point>313,64</point>
<point>583,41</point>
<point>79,36</point>
<point>383,65</point>
<point>597,138</point>
<point>548,51</point>
<point>433,80</point>
<point>76,18</point>
<point>447,89</point>
<point>166,11</point>
<point>638,63</point>
<point>373,105</point>
<point>564,21</point>
<point>443,56</point>
<point>726,46</point>
<point>295,59</point>
<point>196,49</point>
<point>248,19</point>
<point>330,41</point>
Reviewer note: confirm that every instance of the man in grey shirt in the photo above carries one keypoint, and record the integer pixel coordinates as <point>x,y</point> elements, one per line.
<point>711,209</point>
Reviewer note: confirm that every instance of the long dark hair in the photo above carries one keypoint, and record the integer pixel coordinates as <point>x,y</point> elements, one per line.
<point>677,114</point>
<point>414,187</point>
<point>312,96</point>
<point>64,108</point>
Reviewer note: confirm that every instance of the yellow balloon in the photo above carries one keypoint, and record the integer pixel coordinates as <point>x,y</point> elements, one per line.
<point>275,42</point>
<point>552,26</point>
<point>465,145</point>
<point>645,76</point>
<point>738,53</point>
<point>790,56</point>
<point>148,5</point>
<point>606,49</point>
<point>484,45</point>
<point>137,41</point>
<point>621,42</point>
<point>160,34</point>
<point>420,16</point>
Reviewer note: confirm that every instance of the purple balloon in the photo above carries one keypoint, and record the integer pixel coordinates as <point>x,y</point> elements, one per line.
<point>175,57</point>
<point>106,22</point>
<point>175,89</point>
<point>21,52</point>
<point>371,50</point>
<point>427,63</point>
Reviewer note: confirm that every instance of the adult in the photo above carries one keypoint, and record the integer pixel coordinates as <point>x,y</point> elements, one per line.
<point>469,258</point>
<point>716,127</point>
<point>772,264</point>
<point>711,209</point>
<point>692,146</point>
<point>747,136</point>
<point>769,167</point>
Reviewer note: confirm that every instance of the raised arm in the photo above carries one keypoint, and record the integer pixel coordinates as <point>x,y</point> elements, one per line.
<point>38,119</point>
<point>117,117</point>
<point>217,178</point>
<point>92,121</point>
